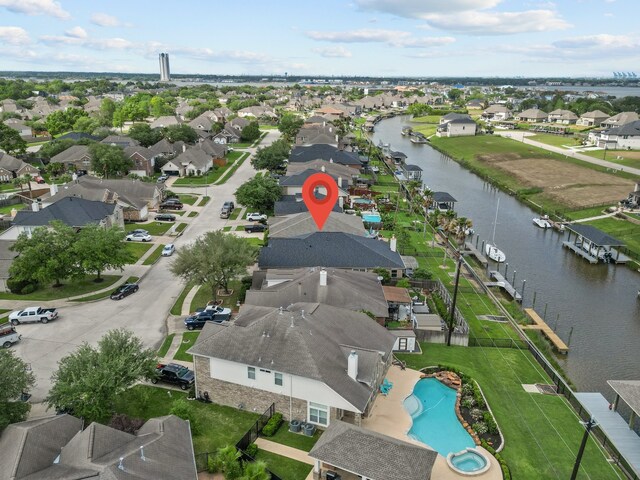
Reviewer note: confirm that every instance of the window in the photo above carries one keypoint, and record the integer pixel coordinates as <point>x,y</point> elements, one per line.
<point>251,373</point>
<point>277,377</point>
<point>318,414</point>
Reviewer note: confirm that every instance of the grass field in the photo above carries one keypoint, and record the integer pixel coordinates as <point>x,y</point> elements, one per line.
<point>176,309</point>
<point>164,348</point>
<point>155,255</point>
<point>204,295</point>
<point>286,468</point>
<point>623,230</point>
<point>556,140</point>
<point>69,288</point>
<point>103,295</point>
<point>137,249</point>
<point>585,213</point>
<point>154,228</point>
<point>295,440</point>
<point>188,340</point>
<point>542,433</point>
<point>188,199</point>
<point>629,158</point>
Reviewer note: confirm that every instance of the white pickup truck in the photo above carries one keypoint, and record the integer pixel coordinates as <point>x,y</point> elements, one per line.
<point>8,335</point>
<point>33,314</point>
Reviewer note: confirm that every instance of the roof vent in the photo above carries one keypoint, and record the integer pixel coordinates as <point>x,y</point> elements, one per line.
<point>120,465</point>
<point>302,313</point>
<point>281,310</point>
<point>142,457</point>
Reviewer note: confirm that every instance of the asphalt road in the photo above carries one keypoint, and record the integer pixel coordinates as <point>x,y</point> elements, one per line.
<point>144,313</point>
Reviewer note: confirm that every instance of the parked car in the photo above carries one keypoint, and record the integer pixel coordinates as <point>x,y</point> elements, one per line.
<point>168,250</point>
<point>217,309</point>
<point>172,200</point>
<point>165,217</point>
<point>200,318</point>
<point>39,180</point>
<point>8,335</point>
<point>162,179</point>
<point>171,206</point>
<point>176,374</point>
<point>225,213</point>
<point>256,227</point>
<point>124,291</point>
<point>33,314</point>
<point>228,205</point>
<point>139,230</point>
<point>256,217</point>
<point>138,237</point>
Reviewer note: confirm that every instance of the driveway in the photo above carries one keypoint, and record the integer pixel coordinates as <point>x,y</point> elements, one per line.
<point>144,313</point>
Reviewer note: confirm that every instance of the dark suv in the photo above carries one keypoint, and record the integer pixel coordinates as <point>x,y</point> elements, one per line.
<point>165,217</point>
<point>167,205</point>
<point>199,319</point>
<point>176,374</point>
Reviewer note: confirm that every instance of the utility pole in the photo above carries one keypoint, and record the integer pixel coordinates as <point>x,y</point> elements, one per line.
<point>589,425</point>
<point>452,319</point>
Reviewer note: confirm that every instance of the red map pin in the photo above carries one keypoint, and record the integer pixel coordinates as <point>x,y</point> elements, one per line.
<point>320,208</point>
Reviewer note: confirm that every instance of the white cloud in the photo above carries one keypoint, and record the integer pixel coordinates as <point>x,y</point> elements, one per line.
<point>498,23</point>
<point>238,56</point>
<point>14,36</point>
<point>609,15</point>
<point>422,8</point>
<point>93,43</point>
<point>423,42</point>
<point>333,52</point>
<point>603,40</point>
<point>105,20</point>
<point>359,36</point>
<point>76,32</point>
<point>36,7</point>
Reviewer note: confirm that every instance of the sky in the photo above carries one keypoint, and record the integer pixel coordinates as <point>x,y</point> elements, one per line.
<point>530,38</point>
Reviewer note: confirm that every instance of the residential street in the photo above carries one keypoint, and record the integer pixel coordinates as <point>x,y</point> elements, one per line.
<point>144,313</point>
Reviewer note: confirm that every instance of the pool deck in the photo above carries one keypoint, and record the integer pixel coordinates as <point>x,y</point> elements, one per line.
<point>389,417</point>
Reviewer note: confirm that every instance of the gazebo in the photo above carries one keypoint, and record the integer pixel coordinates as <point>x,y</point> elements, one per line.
<point>593,244</point>
<point>629,392</point>
<point>443,200</point>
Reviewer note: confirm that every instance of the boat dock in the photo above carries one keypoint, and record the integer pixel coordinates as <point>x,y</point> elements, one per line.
<point>580,252</point>
<point>540,324</point>
<point>502,282</point>
<point>475,253</point>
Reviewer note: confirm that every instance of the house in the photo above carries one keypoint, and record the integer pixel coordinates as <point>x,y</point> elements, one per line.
<point>442,201</point>
<point>625,137</point>
<point>354,452</point>
<point>204,121</point>
<point>565,117</point>
<point>411,172</point>
<point>135,197</point>
<point>456,125</point>
<point>194,161</point>
<point>121,141</point>
<point>165,121</point>
<point>292,204</point>
<point>227,135</point>
<point>313,134</point>
<point>21,128</point>
<point>143,160</point>
<point>238,123</point>
<point>72,211</point>
<point>592,119</point>
<point>620,119</point>
<point>496,113</point>
<point>6,259</point>
<point>75,136</point>
<point>316,362</point>
<point>334,169</point>
<point>164,148</point>
<point>329,110</point>
<point>257,112</point>
<point>292,185</point>
<point>326,152</point>
<point>76,157</point>
<point>634,197</point>
<point>12,167</point>
<point>315,120</point>
<point>475,103</point>
<point>303,224</point>
<point>532,115</point>
<point>332,250</point>
<point>57,447</point>
<point>216,151</point>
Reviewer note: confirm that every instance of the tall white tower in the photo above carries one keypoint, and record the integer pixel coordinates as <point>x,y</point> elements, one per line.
<point>165,74</point>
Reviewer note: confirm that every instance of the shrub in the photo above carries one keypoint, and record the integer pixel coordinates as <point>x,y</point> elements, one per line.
<point>125,423</point>
<point>252,450</point>
<point>503,464</point>
<point>467,389</point>
<point>468,402</point>
<point>272,426</point>
<point>16,286</point>
<point>181,408</point>
<point>480,428</point>
<point>27,289</point>
<point>476,414</point>
<point>492,426</point>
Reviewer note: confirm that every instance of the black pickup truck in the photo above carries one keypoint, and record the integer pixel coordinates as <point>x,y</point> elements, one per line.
<point>174,373</point>
<point>256,227</point>
<point>198,319</point>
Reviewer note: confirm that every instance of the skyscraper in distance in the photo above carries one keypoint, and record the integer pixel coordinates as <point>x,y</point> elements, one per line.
<point>165,74</point>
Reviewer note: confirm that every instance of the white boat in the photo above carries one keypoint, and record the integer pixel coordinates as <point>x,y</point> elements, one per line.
<point>542,222</point>
<point>491,250</point>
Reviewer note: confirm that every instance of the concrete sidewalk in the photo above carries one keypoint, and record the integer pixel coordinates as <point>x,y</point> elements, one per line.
<point>284,450</point>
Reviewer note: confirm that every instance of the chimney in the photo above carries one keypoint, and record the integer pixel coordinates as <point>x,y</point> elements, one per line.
<point>53,189</point>
<point>352,365</point>
<point>341,202</point>
<point>35,206</point>
<point>331,160</point>
<point>322,169</point>
<point>337,138</point>
<point>637,188</point>
<point>323,278</point>
<point>339,182</point>
<point>393,243</point>
<point>184,147</point>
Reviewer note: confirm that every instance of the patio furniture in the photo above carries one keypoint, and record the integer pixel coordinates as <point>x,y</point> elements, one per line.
<point>387,383</point>
<point>384,390</point>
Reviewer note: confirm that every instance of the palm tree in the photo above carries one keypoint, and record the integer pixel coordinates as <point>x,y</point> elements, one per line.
<point>27,178</point>
<point>464,225</point>
<point>255,471</point>
<point>17,182</point>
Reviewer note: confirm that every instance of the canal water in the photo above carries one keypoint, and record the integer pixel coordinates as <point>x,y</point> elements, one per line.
<point>594,308</point>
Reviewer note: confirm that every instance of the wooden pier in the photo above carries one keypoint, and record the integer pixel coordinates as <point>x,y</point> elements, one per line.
<point>502,282</point>
<point>474,252</point>
<point>540,324</point>
<point>580,252</point>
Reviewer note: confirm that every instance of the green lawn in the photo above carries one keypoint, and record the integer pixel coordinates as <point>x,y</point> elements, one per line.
<point>188,340</point>
<point>295,440</point>
<point>181,227</point>
<point>192,214</point>
<point>286,468</point>
<point>542,433</point>
<point>70,288</point>
<point>103,295</point>
<point>164,348</point>
<point>629,158</point>
<point>585,213</point>
<point>235,166</point>
<point>236,212</point>
<point>137,249</point>
<point>203,201</point>
<point>177,307</point>
<point>556,140</point>
<point>218,426</point>
<point>627,232</point>
<point>204,295</point>
<point>188,199</point>
<point>154,228</point>
<point>6,210</point>
<point>155,255</point>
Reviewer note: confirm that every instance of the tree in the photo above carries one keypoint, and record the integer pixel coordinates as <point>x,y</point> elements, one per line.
<point>53,148</point>
<point>214,259</point>
<point>46,256</point>
<point>88,381</point>
<point>109,160</point>
<point>419,109</point>
<point>182,408</point>
<point>455,94</point>
<point>107,109</point>
<point>384,273</point>
<point>11,141</point>
<point>16,379</point>
<point>255,471</point>
<point>251,132</point>
<point>183,133</point>
<point>227,461</point>
<point>63,120</point>
<point>290,124</point>
<point>98,249</point>
<point>143,133</point>
<point>259,194</point>
<point>272,157</point>
<point>158,107</point>
<point>118,118</point>
<point>86,124</point>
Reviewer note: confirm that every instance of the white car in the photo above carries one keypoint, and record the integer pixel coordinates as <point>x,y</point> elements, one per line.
<point>138,237</point>
<point>256,217</point>
<point>168,250</point>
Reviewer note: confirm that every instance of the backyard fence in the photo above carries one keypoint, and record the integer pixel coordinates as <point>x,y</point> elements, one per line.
<point>253,432</point>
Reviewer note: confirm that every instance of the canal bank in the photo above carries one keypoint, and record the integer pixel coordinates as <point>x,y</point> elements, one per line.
<point>593,308</point>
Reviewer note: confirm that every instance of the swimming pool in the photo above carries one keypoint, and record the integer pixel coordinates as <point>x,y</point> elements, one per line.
<point>432,408</point>
<point>371,217</point>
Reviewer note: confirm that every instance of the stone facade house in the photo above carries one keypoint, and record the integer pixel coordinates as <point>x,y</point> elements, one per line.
<point>143,160</point>
<point>76,157</point>
<point>316,362</point>
<point>456,125</point>
<point>12,167</point>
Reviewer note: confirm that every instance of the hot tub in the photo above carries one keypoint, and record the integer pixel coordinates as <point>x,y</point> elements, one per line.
<point>468,462</point>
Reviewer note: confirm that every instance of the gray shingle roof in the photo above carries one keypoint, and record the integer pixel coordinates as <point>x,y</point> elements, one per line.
<point>298,179</point>
<point>328,249</point>
<point>303,224</point>
<point>10,163</point>
<point>195,156</point>
<point>323,152</point>
<point>442,197</point>
<point>345,288</point>
<point>629,391</point>
<point>72,211</point>
<point>334,169</point>
<point>594,235</point>
<point>290,206</point>
<point>371,454</point>
<point>120,140</point>
<point>316,347</point>
<point>631,129</point>
<point>72,154</point>
<point>450,117</point>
